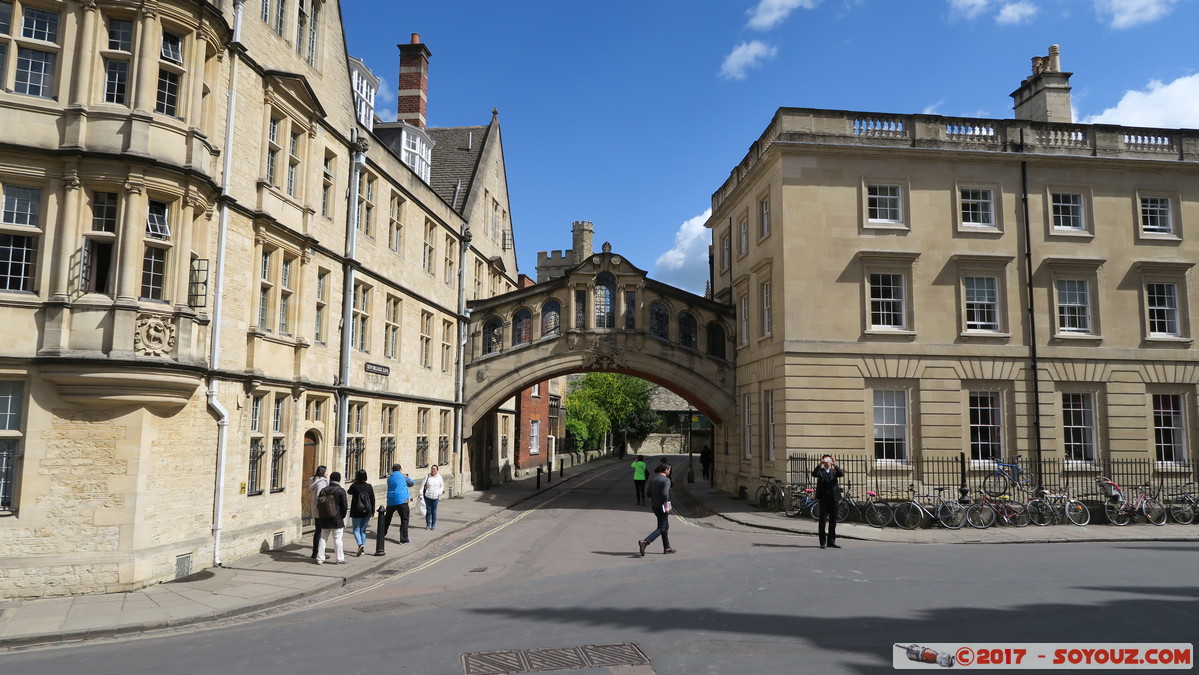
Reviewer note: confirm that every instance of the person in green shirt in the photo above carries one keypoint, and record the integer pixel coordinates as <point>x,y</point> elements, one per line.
<point>639,469</point>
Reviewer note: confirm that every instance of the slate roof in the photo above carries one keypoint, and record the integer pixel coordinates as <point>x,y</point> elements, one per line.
<point>456,156</point>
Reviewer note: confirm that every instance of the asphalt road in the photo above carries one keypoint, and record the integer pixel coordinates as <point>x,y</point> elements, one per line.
<point>562,572</point>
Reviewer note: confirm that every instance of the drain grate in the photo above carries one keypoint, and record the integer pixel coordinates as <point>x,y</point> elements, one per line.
<point>558,658</point>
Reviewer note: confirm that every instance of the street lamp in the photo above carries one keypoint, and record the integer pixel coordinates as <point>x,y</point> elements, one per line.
<point>690,458</point>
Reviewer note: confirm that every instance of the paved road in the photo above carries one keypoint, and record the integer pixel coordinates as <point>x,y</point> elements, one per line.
<point>561,572</point>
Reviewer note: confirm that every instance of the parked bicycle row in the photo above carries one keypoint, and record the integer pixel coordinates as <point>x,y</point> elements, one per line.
<point>1006,503</point>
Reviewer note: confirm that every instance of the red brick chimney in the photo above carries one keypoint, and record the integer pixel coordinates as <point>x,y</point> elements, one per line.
<point>413,92</point>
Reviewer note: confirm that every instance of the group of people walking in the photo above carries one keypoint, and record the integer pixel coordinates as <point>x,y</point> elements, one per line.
<point>331,504</point>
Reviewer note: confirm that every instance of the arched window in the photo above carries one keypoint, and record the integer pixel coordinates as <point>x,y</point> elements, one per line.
<point>659,321</point>
<point>605,293</point>
<point>551,318</point>
<point>493,335</point>
<point>688,331</point>
<point>522,327</point>
<point>716,340</point>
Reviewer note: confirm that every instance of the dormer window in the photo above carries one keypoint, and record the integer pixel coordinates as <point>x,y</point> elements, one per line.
<point>417,152</point>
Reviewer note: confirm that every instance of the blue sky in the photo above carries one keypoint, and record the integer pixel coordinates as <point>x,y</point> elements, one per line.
<point>630,114</point>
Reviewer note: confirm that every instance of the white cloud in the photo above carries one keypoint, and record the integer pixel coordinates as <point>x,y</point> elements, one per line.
<point>385,102</point>
<point>932,109</point>
<point>1170,106</point>
<point>1130,13</point>
<point>745,56</point>
<point>686,264</point>
<point>770,13</point>
<point>1016,13</point>
<point>968,8</point>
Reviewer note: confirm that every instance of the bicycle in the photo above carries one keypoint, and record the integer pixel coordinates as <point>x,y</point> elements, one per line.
<point>1050,509</point>
<point>1182,505</point>
<point>770,494</point>
<point>910,514</point>
<point>802,499</point>
<point>983,513</point>
<point>1121,511</point>
<point>1005,476</point>
<point>874,511</point>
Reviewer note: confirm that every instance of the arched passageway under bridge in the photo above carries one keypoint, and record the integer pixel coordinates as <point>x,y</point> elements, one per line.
<point>604,315</point>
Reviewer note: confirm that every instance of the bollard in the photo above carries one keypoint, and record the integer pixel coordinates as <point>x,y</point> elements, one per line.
<point>561,467</point>
<point>538,478</point>
<point>381,530</point>
<point>549,474</point>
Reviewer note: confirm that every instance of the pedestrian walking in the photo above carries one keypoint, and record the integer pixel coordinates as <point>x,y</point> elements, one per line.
<point>397,502</point>
<point>705,462</point>
<point>430,489</point>
<point>318,483</point>
<point>362,507</point>
<point>331,508</point>
<point>828,493</point>
<point>659,499</point>
<point>639,471</point>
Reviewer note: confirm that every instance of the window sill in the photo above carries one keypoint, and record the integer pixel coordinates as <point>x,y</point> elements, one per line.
<point>892,464</point>
<point>1173,467</point>
<point>1077,234</point>
<point>967,228</point>
<point>1163,237</point>
<point>1077,337</point>
<point>891,333</point>
<point>885,225</point>
<point>1080,465</point>
<point>984,335</point>
<point>1169,339</point>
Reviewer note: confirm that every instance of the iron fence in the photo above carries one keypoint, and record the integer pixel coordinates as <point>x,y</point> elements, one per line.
<point>891,480</point>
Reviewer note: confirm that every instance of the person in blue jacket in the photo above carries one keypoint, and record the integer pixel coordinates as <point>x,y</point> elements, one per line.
<point>397,500</point>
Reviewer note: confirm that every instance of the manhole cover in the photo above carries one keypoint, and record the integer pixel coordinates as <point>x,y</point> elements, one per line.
<point>557,658</point>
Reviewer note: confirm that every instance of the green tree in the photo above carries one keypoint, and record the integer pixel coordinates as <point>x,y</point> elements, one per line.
<point>623,400</point>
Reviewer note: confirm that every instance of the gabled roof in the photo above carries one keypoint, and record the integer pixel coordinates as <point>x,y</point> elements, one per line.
<point>455,162</point>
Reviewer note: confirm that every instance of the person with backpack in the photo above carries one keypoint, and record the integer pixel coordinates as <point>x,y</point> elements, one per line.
<point>362,507</point>
<point>318,483</point>
<point>397,502</point>
<point>331,508</point>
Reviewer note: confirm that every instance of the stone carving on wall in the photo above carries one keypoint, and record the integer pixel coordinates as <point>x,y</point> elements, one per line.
<point>153,336</point>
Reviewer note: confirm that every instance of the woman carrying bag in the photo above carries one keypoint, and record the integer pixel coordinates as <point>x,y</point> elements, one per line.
<point>362,507</point>
<point>430,491</point>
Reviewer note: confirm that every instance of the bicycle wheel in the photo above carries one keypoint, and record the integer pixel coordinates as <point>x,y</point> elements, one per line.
<point>792,505</point>
<point>1116,515</point>
<point>909,515</point>
<point>843,508</point>
<point>951,515</point>
<point>814,509</point>
<point>980,516</point>
<point>995,484</point>
<point>762,496</point>
<point>1077,512</point>
<point>1040,512</point>
<point>1154,512</point>
<point>1017,515</point>
<point>1182,513</point>
<point>878,514</point>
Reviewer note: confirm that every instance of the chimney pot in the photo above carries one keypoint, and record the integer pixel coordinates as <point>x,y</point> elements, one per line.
<point>416,38</point>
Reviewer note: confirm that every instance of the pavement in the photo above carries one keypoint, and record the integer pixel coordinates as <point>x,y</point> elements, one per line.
<point>274,578</point>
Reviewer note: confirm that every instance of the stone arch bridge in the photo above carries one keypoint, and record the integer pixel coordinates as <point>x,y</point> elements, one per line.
<point>602,315</point>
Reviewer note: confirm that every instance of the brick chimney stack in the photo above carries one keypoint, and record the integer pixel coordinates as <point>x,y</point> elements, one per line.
<point>413,94</point>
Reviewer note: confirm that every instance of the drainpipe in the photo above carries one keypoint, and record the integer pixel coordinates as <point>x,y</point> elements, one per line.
<point>1034,363</point>
<point>463,328</point>
<point>218,294</point>
<point>357,161</point>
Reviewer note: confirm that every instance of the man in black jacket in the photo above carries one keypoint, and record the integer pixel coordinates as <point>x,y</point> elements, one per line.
<point>659,500</point>
<point>828,493</point>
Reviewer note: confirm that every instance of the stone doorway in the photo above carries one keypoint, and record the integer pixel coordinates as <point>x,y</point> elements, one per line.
<point>311,448</point>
